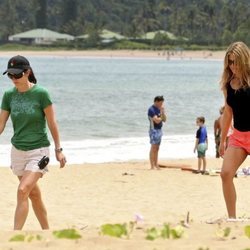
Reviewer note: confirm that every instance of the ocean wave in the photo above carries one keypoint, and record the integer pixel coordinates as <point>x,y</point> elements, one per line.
<point>120,149</point>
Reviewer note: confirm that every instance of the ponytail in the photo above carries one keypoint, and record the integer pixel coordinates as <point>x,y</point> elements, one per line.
<point>32,77</point>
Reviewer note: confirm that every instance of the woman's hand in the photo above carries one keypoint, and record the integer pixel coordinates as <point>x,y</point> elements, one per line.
<point>61,158</point>
<point>222,149</point>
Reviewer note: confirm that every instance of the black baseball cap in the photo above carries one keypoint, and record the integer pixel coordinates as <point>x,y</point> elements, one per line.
<point>17,65</point>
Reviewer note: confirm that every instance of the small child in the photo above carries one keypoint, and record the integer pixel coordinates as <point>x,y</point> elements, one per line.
<point>201,144</point>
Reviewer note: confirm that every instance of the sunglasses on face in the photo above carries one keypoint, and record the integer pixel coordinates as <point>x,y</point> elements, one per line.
<point>15,76</point>
<point>230,62</point>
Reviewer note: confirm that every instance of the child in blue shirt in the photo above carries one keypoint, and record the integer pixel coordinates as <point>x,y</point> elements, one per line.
<point>201,143</point>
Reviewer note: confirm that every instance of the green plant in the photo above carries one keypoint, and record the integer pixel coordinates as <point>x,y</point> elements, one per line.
<point>17,237</point>
<point>166,232</point>
<point>115,230</point>
<point>71,234</point>
<point>223,232</point>
<point>247,231</point>
<point>177,232</point>
<point>25,238</point>
<point>152,234</point>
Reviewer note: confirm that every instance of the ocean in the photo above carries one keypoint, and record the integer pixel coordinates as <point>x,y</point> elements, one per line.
<point>101,105</point>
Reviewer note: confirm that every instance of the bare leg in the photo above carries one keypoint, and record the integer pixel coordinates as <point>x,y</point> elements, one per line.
<point>38,207</point>
<point>233,158</point>
<point>204,164</point>
<point>156,156</point>
<point>199,163</point>
<point>27,183</point>
<point>153,155</point>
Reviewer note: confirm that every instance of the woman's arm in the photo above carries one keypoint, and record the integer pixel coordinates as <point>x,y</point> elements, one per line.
<point>226,121</point>
<point>4,115</point>
<point>52,124</point>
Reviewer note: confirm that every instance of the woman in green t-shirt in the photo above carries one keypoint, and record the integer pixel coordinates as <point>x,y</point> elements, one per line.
<point>30,107</point>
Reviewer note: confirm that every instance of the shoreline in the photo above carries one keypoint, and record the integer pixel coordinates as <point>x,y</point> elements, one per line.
<point>185,54</point>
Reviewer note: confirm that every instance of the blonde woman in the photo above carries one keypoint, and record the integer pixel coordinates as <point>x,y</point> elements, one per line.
<point>235,85</point>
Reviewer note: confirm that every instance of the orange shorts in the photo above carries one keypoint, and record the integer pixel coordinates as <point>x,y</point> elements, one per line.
<point>240,139</point>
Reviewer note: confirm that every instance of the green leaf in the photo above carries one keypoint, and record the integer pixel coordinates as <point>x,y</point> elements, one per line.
<point>177,232</point>
<point>29,238</point>
<point>165,232</point>
<point>247,231</point>
<point>17,237</point>
<point>39,237</point>
<point>115,230</point>
<point>67,234</point>
<point>227,231</point>
<point>152,234</point>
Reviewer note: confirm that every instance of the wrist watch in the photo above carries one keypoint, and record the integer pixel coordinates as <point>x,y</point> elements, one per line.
<point>58,149</point>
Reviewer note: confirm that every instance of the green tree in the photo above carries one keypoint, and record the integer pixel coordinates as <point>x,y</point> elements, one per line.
<point>145,20</point>
<point>204,22</point>
<point>41,14</point>
<point>93,40</point>
<point>16,16</point>
<point>227,37</point>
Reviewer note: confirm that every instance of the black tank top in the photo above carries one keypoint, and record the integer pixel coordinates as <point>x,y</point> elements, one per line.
<point>239,101</point>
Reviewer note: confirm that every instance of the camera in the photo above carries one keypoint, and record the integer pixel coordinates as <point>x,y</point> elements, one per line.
<point>43,162</point>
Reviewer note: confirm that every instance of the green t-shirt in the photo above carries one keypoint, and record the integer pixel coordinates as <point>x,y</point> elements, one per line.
<point>28,117</point>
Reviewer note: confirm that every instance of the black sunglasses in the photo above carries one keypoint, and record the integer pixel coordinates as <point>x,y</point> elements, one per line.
<point>230,62</point>
<point>15,76</point>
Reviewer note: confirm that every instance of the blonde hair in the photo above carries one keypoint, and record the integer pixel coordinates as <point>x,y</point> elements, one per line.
<point>242,60</point>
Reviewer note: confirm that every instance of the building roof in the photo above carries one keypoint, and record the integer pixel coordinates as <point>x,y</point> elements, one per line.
<point>151,35</point>
<point>105,34</point>
<point>41,34</point>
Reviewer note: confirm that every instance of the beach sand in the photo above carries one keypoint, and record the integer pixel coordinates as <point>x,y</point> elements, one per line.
<point>185,54</point>
<point>87,196</point>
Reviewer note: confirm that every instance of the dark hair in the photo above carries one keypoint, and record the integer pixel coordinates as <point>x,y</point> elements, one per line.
<point>159,98</point>
<point>201,119</point>
<point>31,77</point>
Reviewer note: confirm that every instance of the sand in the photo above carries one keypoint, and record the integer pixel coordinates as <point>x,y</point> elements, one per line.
<point>186,55</point>
<point>87,196</point>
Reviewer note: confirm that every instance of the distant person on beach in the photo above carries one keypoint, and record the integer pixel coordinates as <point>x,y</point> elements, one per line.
<point>217,132</point>
<point>201,144</point>
<point>156,116</point>
<point>235,83</point>
<point>30,107</point>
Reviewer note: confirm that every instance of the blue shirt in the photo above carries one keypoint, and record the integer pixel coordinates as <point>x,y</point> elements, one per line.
<point>201,134</point>
<point>154,111</point>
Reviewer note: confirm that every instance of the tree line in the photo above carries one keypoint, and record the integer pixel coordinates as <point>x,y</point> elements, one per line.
<point>201,22</point>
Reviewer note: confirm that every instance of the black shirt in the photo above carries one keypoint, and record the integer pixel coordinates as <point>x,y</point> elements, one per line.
<point>239,101</point>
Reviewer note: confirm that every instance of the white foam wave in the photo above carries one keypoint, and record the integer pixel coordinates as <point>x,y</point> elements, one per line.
<point>120,149</point>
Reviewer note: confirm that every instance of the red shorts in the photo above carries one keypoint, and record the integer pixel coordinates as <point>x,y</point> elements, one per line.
<point>240,139</point>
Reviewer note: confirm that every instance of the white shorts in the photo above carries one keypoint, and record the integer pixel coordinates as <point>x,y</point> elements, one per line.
<point>22,161</point>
